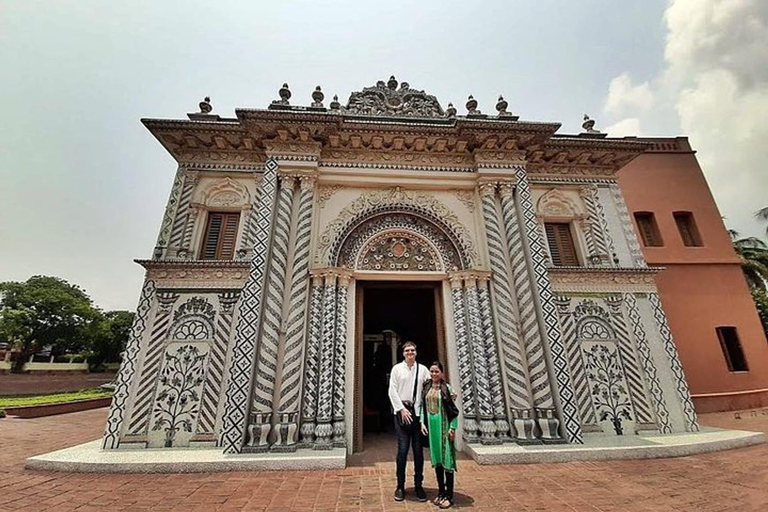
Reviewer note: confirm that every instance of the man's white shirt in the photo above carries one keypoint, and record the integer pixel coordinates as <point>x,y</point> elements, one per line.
<point>401,385</point>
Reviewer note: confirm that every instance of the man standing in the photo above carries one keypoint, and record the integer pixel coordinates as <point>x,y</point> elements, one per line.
<point>405,384</point>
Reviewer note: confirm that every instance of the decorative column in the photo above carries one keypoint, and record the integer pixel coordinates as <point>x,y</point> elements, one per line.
<point>506,316</point>
<point>599,253</point>
<point>290,386</point>
<point>466,369</point>
<point>170,214</point>
<point>182,212</point>
<point>243,353</point>
<point>550,329</point>
<point>537,375</point>
<point>271,332</point>
<point>128,366</point>
<point>492,357</point>
<point>251,225</point>
<point>150,365</point>
<point>192,214</point>
<point>323,427</point>
<point>214,377</point>
<point>477,348</point>
<point>312,374</point>
<point>632,370</point>
<point>339,358</point>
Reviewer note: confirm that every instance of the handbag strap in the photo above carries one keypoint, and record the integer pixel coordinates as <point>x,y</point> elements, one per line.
<point>415,385</point>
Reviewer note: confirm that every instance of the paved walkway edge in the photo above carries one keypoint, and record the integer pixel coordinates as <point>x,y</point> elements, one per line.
<point>647,447</point>
<point>90,458</point>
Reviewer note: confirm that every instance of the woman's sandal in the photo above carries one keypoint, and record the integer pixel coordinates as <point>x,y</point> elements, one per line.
<point>446,503</point>
<point>438,499</point>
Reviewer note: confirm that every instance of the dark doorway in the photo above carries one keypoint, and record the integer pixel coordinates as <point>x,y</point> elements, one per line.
<point>391,313</point>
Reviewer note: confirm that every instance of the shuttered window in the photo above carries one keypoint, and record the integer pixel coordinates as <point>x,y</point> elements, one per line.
<point>687,228</point>
<point>649,231</point>
<point>220,236</point>
<point>561,245</point>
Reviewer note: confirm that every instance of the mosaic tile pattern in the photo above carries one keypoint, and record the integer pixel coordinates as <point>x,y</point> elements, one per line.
<point>339,366</point>
<point>243,354</point>
<point>128,366</point>
<point>466,370</point>
<point>480,365</point>
<point>323,428</point>
<point>627,226</point>
<point>312,375</point>
<point>492,357</point>
<point>691,421</point>
<point>170,214</point>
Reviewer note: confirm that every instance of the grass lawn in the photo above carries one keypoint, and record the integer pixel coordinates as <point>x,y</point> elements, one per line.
<point>57,398</point>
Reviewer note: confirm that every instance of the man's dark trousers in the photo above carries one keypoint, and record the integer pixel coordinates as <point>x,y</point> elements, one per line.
<point>409,435</point>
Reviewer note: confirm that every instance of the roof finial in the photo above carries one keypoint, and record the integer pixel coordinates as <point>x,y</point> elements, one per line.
<point>392,83</point>
<point>501,107</point>
<point>317,97</point>
<point>335,105</point>
<point>205,105</point>
<point>285,94</point>
<point>589,125</point>
<point>451,110</point>
<point>472,105</point>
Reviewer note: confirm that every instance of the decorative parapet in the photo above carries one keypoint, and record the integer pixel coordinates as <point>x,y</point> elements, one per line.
<point>603,280</point>
<point>196,274</point>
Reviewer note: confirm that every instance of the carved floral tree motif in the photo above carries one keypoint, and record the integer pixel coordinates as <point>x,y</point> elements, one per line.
<point>399,251</point>
<point>178,399</point>
<point>609,391</point>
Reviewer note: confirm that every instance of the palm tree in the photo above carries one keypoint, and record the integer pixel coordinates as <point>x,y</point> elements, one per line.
<point>762,214</point>
<point>754,259</point>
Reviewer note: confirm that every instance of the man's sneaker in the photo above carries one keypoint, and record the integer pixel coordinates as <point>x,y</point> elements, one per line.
<point>420,494</point>
<point>400,494</point>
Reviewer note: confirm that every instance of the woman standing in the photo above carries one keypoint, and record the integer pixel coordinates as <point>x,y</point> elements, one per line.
<point>439,419</point>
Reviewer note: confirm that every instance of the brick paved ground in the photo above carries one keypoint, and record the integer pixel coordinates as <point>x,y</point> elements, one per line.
<point>50,382</point>
<point>724,481</point>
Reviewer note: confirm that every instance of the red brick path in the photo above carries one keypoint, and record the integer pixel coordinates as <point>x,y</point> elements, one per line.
<point>724,481</point>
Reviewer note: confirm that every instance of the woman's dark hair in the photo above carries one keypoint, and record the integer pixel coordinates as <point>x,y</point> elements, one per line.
<point>438,364</point>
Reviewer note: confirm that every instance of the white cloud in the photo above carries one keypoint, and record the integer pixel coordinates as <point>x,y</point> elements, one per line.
<point>625,127</point>
<point>624,96</point>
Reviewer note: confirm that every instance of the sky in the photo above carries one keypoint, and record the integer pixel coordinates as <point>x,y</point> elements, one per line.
<point>83,184</point>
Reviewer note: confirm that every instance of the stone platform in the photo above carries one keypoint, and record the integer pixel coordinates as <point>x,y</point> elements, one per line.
<point>89,458</point>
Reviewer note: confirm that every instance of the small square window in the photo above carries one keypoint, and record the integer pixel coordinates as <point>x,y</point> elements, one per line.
<point>561,246</point>
<point>649,231</point>
<point>734,355</point>
<point>687,228</point>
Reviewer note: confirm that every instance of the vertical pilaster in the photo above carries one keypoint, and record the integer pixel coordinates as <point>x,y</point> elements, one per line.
<point>293,359</point>
<point>312,374</point>
<point>598,253</point>
<point>182,212</point>
<point>492,357</point>
<point>192,215</point>
<point>170,214</point>
<point>323,427</point>
<point>515,368</point>
<point>549,325</point>
<point>128,365</point>
<point>466,370</point>
<point>266,370</point>
<point>339,358</point>
<point>243,353</point>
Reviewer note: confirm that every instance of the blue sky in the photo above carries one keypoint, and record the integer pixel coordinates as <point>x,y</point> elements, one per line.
<point>83,184</point>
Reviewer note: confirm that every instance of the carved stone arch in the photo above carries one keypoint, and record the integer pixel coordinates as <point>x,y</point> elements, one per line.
<point>419,209</point>
<point>391,227</point>
<point>556,204</point>
<point>225,193</point>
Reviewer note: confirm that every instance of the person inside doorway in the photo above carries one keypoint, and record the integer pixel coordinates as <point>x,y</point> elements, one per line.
<point>406,383</point>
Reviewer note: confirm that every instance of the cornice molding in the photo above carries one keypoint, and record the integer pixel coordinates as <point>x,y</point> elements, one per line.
<point>603,280</point>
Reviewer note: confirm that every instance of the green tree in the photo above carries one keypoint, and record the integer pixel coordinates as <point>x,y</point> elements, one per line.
<point>108,337</point>
<point>45,311</point>
<point>754,259</point>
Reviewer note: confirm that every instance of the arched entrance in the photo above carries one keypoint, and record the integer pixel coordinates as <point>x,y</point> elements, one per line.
<point>400,260</point>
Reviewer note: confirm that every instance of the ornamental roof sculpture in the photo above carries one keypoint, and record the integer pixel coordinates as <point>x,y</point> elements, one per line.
<point>387,100</point>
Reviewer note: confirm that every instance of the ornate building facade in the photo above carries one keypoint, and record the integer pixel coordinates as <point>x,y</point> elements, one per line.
<point>249,333</point>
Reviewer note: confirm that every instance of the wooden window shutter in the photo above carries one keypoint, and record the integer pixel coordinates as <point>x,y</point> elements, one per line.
<point>649,232</point>
<point>561,246</point>
<point>220,236</point>
<point>687,228</point>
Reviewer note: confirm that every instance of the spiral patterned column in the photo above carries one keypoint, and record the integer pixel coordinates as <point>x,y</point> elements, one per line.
<point>286,430</point>
<point>492,358</point>
<point>599,248</point>
<point>266,371</point>
<point>466,370</point>
<point>506,315</point>
<point>312,373</point>
<point>323,427</point>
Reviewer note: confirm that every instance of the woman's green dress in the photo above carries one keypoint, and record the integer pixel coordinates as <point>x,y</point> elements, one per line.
<point>442,450</point>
